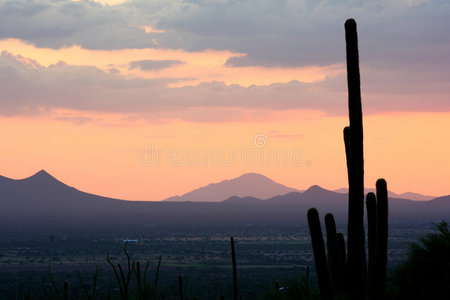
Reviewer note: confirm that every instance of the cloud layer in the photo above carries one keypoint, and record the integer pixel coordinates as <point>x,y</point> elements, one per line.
<point>403,48</point>
<point>30,88</point>
<point>271,33</point>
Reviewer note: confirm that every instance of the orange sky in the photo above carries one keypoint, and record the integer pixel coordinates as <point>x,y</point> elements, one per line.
<point>114,160</point>
<point>105,146</point>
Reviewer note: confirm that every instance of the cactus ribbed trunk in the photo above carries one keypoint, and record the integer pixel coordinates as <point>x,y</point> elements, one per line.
<point>371,207</point>
<point>356,239</point>
<point>341,249</point>
<point>347,149</point>
<point>332,250</point>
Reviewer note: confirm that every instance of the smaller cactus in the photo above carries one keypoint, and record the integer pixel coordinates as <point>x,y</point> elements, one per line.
<point>382,237</point>
<point>320,258</point>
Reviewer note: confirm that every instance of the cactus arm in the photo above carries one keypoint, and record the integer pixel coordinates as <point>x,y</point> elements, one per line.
<point>320,259</point>
<point>382,236</point>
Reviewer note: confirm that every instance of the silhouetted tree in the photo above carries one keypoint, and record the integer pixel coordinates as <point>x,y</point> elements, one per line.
<point>426,273</point>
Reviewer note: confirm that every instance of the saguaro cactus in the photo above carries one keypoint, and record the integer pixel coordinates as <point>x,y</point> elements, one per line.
<point>356,240</point>
<point>346,273</point>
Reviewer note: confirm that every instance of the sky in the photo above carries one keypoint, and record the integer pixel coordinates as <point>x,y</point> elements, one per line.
<point>143,99</point>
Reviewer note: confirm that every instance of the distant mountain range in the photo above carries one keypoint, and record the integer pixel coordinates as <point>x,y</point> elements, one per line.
<point>43,194</point>
<point>42,200</point>
<point>247,185</point>
<point>407,195</point>
<point>255,185</point>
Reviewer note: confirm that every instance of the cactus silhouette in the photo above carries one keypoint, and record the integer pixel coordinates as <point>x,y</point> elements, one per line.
<point>320,258</point>
<point>381,238</point>
<point>343,272</point>
<point>334,266</point>
<point>356,242</point>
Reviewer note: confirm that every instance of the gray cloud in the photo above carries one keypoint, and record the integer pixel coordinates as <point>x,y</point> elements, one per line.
<point>154,65</point>
<point>56,24</point>
<point>299,33</point>
<point>30,88</point>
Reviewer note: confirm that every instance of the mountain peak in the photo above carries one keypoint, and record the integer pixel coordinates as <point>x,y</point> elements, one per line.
<point>42,174</point>
<point>315,188</point>
<point>252,175</point>
<point>42,178</point>
<point>247,185</point>
<point>316,191</point>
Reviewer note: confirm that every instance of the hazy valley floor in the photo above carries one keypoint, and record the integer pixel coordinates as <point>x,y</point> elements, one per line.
<point>202,257</point>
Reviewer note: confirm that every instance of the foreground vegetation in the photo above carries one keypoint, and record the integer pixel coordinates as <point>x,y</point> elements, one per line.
<point>203,259</point>
<point>426,272</point>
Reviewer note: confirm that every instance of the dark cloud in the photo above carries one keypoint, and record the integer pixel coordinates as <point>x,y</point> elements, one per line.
<point>154,65</point>
<point>57,24</point>
<point>299,33</point>
<point>271,33</point>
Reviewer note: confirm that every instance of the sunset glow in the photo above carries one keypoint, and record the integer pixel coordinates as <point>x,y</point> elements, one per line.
<point>94,115</point>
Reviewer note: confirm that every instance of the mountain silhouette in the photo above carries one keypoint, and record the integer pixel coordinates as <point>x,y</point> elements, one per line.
<point>329,201</point>
<point>43,194</point>
<point>407,195</point>
<point>236,199</point>
<point>246,185</point>
<point>314,196</point>
<point>42,200</point>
